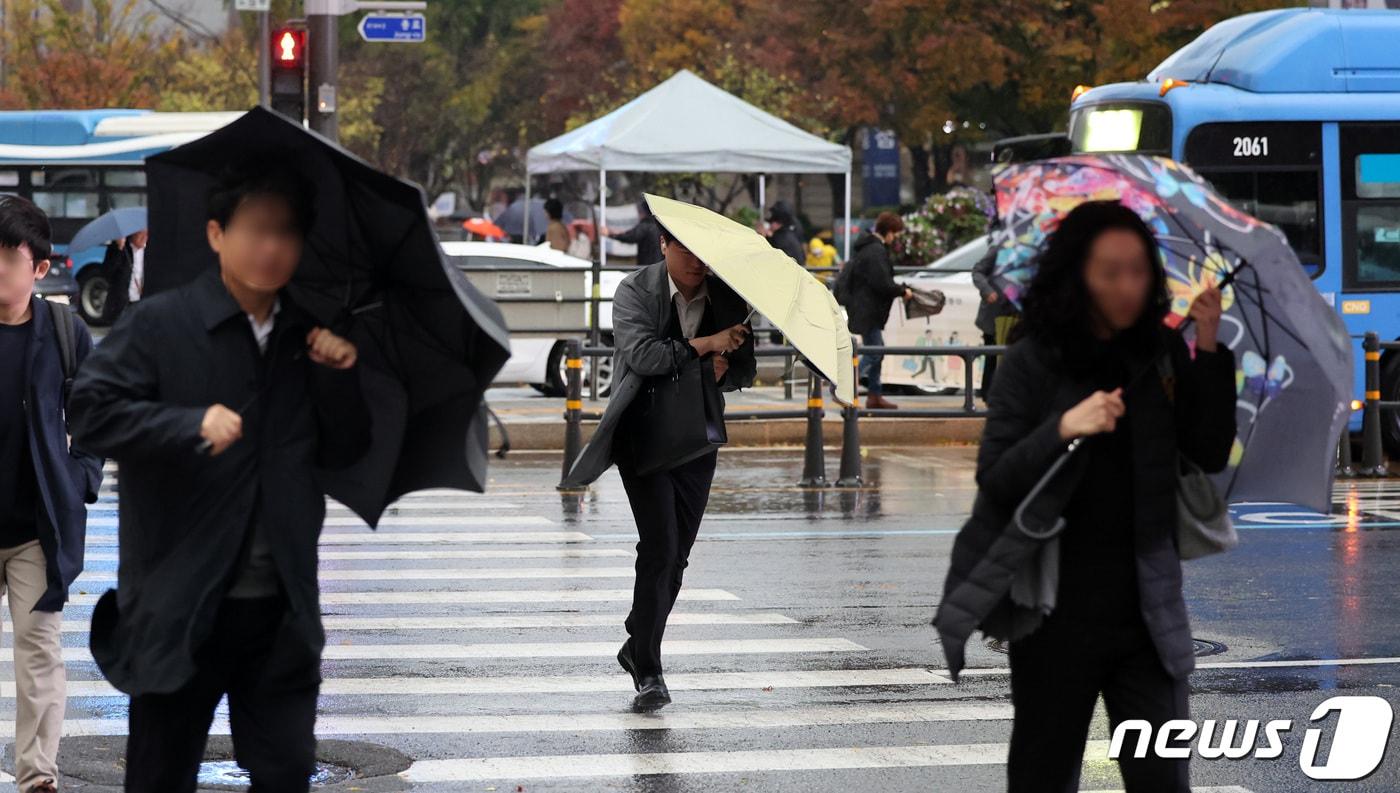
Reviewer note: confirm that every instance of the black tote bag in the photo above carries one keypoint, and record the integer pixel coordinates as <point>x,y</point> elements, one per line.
<point>681,418</point>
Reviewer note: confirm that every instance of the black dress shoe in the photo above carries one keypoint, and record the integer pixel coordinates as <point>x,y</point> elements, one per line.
<point>651,693</point>
<point>624,657</point>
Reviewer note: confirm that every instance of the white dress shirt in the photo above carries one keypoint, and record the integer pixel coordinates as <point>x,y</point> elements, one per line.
<point>689,312</point>
<point>138,274</point>
<point>263,330</point>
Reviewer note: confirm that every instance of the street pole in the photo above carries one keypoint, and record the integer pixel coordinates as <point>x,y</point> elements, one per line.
<point>264,61</point>
<point>322,32</point>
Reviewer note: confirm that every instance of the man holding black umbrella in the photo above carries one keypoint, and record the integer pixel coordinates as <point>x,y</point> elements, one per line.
<point>220,400</point>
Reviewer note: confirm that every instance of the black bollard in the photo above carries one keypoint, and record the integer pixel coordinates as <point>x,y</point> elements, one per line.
<point>850,440</point>
<point>1345,467</point>
<point>1372,463</point>
<point>573,406</point>
<point>814,462</point>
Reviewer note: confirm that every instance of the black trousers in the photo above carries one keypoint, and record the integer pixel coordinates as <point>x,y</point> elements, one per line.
<point>1057,674</point>
<point>667,507</point>
<point>273,730</point>
<point>989,364</point>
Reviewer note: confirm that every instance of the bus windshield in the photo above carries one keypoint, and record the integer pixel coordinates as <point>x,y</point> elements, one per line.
<point>1121,127</point>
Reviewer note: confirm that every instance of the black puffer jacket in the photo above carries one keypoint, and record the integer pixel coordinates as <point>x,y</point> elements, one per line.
<point>870,287</point>
<point>1019,443</point>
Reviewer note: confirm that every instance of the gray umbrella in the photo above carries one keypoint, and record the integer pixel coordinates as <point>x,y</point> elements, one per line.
<point>117,224</point>
<point>512,218</point>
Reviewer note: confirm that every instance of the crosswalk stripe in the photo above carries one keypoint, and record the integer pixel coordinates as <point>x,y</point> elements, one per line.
<point>748,718</point>
<point>367,537</point>
<point>401,538</point>
<point>617,682</point>
<point>445,554</point>
<point>438,574</point>
<point>500,621</point>
<point>484,596</point>
<point>399,522</point>
<point>531,650</point>
<point>475,769</point>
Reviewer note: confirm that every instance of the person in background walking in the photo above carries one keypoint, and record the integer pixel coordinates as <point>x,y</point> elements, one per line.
<point>668,316</point>
<point>783,232</point>
<point>44,488</point>
<point>995,309</point>
<point>220,400</point>
<point>116,263</point>
<point>868,291</point>
<point>646,235</point>
<point>1089,362</point>
<point>556,233</point>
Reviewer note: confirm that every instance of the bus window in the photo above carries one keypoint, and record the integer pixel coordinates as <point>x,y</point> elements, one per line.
<point>9,178</point>
<point>1116,127</point>
<point>1370,155</point>
<point>1272,170</point>
<point>67,205</point>
<point>124,177</point>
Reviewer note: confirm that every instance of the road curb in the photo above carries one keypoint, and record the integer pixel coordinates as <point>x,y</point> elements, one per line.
<point>549,435</point>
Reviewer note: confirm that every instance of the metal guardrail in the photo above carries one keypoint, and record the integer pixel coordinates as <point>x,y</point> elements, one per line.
<point>814,462</point>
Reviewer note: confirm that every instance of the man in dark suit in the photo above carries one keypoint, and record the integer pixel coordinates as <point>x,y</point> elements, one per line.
<point>221,400</point>
<point>666,316</point>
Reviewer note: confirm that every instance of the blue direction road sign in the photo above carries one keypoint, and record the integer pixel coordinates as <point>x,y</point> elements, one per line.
<point>409,28</point>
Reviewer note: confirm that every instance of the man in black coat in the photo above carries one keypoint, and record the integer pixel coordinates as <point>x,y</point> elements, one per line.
<point>667,316</point>
<point>45,484</point>
<point>784,234</point>
<point>993,305</point>
<point>219,400</point>
<point>646,235</point>
<point>867,289</point>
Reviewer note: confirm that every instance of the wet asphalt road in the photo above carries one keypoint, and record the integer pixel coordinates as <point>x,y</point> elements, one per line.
<point>476,634</point>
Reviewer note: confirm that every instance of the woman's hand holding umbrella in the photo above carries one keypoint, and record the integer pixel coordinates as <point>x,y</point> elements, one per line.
<point>327,349</point>
<point>1205,313</point>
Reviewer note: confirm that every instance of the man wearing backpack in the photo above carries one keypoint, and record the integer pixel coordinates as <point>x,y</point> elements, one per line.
<point>44,489</point>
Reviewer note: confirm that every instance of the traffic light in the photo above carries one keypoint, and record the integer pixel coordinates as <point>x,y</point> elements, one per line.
<point>287,57</point>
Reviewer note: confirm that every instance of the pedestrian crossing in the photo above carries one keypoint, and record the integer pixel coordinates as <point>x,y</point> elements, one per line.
<point>478,636</point>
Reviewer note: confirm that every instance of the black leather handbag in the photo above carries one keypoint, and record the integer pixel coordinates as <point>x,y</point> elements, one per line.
<point>681,418</point>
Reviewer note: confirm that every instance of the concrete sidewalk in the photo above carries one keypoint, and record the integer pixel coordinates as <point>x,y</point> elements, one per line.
<point>535,421</point>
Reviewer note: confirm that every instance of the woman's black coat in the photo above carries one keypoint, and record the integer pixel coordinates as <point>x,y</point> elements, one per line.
<point>1019,443</point>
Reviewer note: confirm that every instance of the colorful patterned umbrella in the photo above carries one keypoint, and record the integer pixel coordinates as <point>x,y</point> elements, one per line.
<point>1292,352</point>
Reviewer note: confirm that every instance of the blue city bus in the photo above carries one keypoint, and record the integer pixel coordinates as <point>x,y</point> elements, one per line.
<point>77,164</point>
<point>1294,115</point>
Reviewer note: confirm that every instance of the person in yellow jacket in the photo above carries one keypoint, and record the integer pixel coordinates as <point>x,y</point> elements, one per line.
<point>821,253</point>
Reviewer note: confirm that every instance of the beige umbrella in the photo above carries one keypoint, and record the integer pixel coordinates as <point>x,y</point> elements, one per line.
<point>776,286</point>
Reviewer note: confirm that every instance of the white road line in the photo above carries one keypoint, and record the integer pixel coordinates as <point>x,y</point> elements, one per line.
<point>476,503</point>
<point>403,538</point>
<point>402,522</point>
<point>1302,662</point>
<point>335,623</point>
<point>367,537</point>
<point>484,596</point>
<point>444,554</point>
<point>577,684</point>
<point>535,650</point>
<point>624,765</point>
<point>747,718</point>
<point>436,574</point>
<point>608,649</point>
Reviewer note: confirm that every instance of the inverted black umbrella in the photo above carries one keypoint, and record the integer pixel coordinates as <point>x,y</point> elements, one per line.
<point>429,343</point>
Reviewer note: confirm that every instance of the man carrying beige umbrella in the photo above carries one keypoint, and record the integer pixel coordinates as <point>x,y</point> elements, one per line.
<point>676,327</point>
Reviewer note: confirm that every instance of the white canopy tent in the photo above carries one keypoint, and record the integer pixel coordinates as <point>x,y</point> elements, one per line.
<point>688,125</point>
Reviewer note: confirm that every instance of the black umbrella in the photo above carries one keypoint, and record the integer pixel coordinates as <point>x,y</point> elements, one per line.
<point>429,343</point>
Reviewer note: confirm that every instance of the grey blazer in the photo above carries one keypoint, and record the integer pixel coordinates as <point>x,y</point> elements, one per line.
<point>641,311</point>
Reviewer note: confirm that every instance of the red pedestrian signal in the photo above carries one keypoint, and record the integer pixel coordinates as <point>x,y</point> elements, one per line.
<point>287,58</point>
<point>288,47</point>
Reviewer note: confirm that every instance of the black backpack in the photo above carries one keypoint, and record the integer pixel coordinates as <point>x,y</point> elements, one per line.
<point>64,332</point>
<point>841,289</point>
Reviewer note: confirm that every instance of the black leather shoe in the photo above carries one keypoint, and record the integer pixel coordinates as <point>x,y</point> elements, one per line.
<point>651,693</point>
<point>624,657</point>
